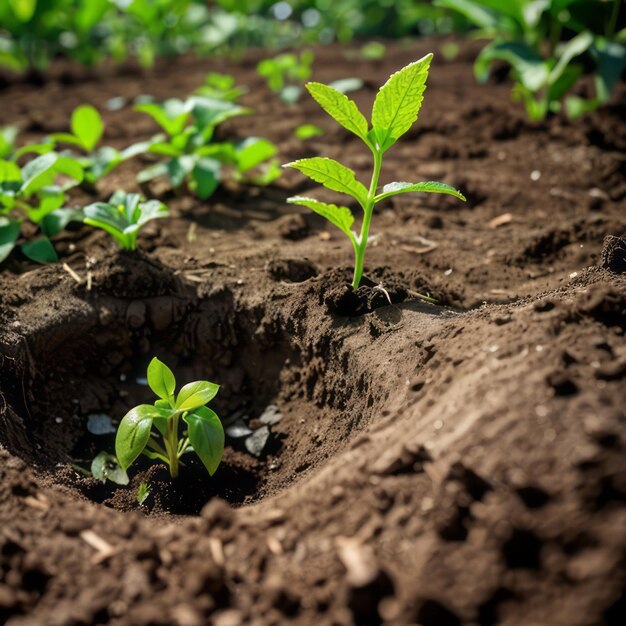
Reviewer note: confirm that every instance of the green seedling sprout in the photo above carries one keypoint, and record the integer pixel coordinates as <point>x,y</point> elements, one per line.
<point>154,429</point>
<point>286,72</point>
<point>123,216</point>
<point>395,110</point>
<point>191,154</point>
<point>143,492</point>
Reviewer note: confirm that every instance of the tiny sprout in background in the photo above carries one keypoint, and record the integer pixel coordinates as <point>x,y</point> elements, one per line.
<point>123,216</point>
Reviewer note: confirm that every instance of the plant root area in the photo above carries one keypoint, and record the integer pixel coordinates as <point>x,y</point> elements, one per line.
<point>388,460</point>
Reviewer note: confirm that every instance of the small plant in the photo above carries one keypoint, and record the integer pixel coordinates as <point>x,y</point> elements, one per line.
<point>286,72</point>
<point>36,193</point>
<point>220,87</point>
<point>142,427</point>
<point>191,154</point>
<point>395,110</point>
<point>123,216</point>
<point>143,493</point>
<point>106,467</point>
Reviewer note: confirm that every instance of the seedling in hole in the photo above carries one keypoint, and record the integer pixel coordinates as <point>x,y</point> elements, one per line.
<point>123,216</point>
<point>192,157</point>
<point>154,429</point>
<point>36,193</point>
<point>395,110</point>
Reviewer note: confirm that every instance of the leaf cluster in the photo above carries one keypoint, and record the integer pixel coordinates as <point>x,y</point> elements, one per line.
<point>153,429</point>
<point>548,44</point>
<point>286,73</point>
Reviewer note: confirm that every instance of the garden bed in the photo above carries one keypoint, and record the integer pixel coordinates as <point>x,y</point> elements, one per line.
<point>435,464</point>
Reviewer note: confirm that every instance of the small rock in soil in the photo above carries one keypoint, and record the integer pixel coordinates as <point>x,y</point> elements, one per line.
<point>255,443</point>
<point>100,424</point>
<point>238,429</point>
<point>271,415</point>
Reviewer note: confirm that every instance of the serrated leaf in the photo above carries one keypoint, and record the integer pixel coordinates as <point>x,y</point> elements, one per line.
<point>340,107</point>
<point>332,175</point>
<point>393,189</point>
<point>161,379</point>
<point>196,394</point>
<point>398,102</point>
<point>206,435</point>
<point>340,216</point>
<point>87,125</point>
<point>133,433</point>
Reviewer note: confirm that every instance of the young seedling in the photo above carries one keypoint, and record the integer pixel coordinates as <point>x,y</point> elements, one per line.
<point>123,216</point>
<point>285,74</point>
<point>87,128</point>
<point>192,156</point>
<point>141,428</point>
<point>35,193</point>
<point>220,87</point>
<point>395,110</point>
<point>143,492</point>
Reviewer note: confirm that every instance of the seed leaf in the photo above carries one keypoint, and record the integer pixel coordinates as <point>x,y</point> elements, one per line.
<point>133,433</point>
<point>340,216</point>
<point>196,394</point>
<point>393,189</point>
<point>161,379</point>
<point>40,250</point>
<point>87,126</point>
<point>332,175</point>
<point>340,107</point>
<point>206,435</point>
<point>398,102</point>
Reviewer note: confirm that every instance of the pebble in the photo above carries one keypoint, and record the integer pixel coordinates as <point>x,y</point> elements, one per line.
<point>255,443</point>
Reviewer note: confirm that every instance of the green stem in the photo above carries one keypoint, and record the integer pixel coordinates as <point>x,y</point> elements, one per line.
<point>361,244</point>
<point>172,435</point>
<point>613,19</point>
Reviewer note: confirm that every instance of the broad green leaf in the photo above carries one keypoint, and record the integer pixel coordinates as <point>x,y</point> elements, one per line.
<point>398,102</point>
<point>10,172</point>
<point>171,116</point>
<point>340,107</point>
<point>38,173</point>
<point>154,171</point>
<point>87,125</point>
<point>161,379</point>
<point>56,221</point>
<point>9,232</point>
<point>40,250</point>
<point>133,433</point>
<point>308,131</point>
<point>70,167</point>
<point>206,435</point>
<point>196,394</point>
<point>150,210</point>
<point>340,216</point>
<point>332,175</point>
<point>50,199</point>
<point>529,67</point>
<point>106,213</point>
<point>393,189</point>
<point>568,51</point>
<point>106,467</point>
<point>165,148</point>
<point>481,17</point>
<point>206,177</point>
<point>178,168</point>
<point>252,151</point>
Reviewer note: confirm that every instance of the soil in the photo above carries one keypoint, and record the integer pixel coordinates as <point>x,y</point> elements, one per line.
<point>447,464</point>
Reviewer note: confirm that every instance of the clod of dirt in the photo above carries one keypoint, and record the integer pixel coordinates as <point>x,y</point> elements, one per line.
<point>614,255</point>
<point>292,270</point>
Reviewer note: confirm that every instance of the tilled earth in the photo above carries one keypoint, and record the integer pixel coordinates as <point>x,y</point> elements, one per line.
<point>458,463</point>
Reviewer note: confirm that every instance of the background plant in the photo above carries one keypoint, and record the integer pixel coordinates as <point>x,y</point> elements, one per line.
<point>123,216</point>
<point>192,156</point>
<point>548,44</point>
<point>286,73</point>
<point>154,429</point>
<point>36,194</point>
<point>395,110</point>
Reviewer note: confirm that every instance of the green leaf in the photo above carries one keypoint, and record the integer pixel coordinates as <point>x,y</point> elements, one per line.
<point>398,102</point>
<point>171,116</point>
<point>106,466</point>
<point>308,131</point>
<point>40,250</point>
<point>23,9</point>
<point>38,173</point>
<point>206,435</point>
<point>206,176</point>
<point>143,491</point>
<point>87,125</point>
<point>340,216</point>
<point>340,107</point>
<point>133,433</point>
<point>332,175</point>
<point>161,379</point>
<point>9,232</point>
<point>10,172</point>
<point>393,189</point>
<point>196,394</point>
<point>252,151</point>
<point>56,221</point>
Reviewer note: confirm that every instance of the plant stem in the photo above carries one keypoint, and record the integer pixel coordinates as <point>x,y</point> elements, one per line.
<point>172,435</point>
<point>368,209</point>
<point>613,19</point>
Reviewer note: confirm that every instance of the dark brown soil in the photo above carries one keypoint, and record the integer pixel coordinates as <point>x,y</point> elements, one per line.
<point>458,463</point>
